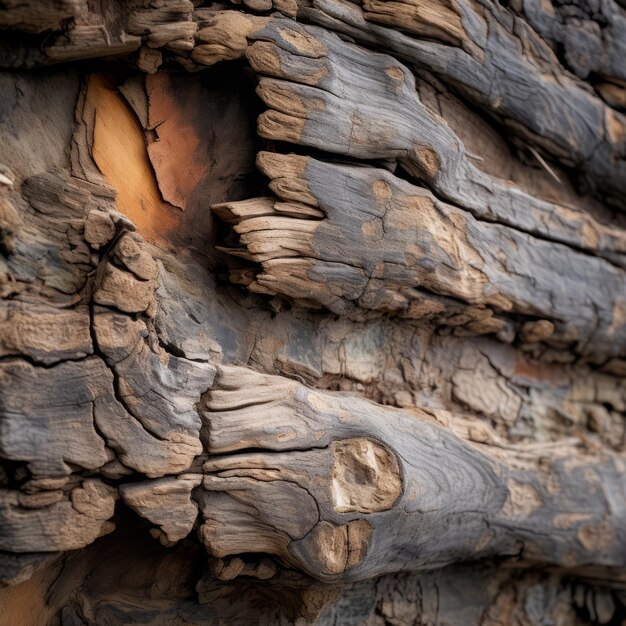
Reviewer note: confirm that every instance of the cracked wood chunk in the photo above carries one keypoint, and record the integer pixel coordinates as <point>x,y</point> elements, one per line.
<point>37,17</point>
<point>74,520</point>
<point>47,415</point>
<point>44,333</point>
<point>81,31</point>
<point>434,20</point>
<point>222,36</point>
<point>338,97</point>
<point>167,24</point>
<point>507,69</point>
<point>129,288</point>
<point>158,389</point>
<point>123,291</point>
<point>593,37</point>
<point>342,488</point>
<point>46,242</point>
<point>167,503</point>
<point>74,415</point>
<point>383,242</point>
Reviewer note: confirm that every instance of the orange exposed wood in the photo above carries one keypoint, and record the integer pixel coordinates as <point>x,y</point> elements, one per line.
<point>120,152</point>
<point>178,153</point>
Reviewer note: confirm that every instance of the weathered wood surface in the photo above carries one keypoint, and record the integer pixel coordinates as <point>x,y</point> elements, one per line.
<point>127,368</point>
<point>508,69</point>
<point>346,100</point>
<point>383,240</point>
<point>506,64</point>
<point>365,490</point>
<point>417,252</point>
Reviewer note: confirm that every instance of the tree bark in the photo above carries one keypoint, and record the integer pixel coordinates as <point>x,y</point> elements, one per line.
<point>313,312</point>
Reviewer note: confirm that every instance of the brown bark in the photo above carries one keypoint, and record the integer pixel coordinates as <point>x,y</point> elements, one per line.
<point>312,312</point>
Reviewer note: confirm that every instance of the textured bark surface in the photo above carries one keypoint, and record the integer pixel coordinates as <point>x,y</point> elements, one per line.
<point>313,312</point>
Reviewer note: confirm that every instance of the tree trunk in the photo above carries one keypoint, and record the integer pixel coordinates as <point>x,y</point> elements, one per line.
<point>313,312</point>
